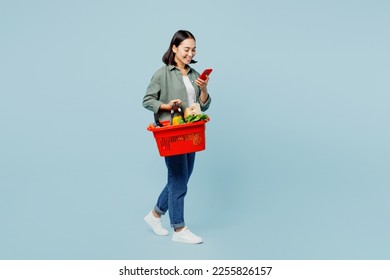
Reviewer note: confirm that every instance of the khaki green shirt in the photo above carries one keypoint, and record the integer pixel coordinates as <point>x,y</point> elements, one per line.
<point>167,84</point>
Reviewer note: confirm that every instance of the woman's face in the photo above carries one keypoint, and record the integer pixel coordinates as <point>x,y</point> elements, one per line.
<point>185,52</point>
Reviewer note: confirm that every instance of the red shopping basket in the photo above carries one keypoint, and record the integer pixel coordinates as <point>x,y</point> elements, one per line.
<point>179,139</point>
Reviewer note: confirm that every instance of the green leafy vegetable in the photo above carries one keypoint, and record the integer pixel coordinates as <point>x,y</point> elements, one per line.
<point>192,118</point>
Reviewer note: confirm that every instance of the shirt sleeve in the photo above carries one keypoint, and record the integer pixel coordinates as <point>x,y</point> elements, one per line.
<point>151,99</point>
<point>204,106</point>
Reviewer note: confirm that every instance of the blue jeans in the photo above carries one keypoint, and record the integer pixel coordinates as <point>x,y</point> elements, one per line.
<point>172,196</point>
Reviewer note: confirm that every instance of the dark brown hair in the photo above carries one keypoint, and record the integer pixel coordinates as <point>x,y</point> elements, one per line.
<point>169,56</point>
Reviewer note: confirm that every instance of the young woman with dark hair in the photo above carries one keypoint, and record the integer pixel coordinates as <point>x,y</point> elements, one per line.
<point>176,83</point>
<point>180,36</point>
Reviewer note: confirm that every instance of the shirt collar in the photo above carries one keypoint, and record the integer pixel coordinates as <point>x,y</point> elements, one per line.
<point>172,67</point>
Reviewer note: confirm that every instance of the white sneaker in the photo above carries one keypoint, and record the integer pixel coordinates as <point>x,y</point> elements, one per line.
<point>186,236</point>
<point>155,224</point>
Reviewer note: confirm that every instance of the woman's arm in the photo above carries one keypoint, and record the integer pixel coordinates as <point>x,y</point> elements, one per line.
<point>202,84</point>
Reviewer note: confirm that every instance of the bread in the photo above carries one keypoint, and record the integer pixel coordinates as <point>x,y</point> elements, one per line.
<point>193,110</point>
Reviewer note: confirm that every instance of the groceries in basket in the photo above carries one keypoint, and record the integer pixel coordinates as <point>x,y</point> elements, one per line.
<point>191,114</point>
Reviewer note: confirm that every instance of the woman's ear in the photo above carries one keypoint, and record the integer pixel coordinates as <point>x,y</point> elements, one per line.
<point>174,49</point>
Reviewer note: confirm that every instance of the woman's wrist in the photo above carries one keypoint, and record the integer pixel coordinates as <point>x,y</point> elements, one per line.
<point>204,95</point>
<point>165,107</point>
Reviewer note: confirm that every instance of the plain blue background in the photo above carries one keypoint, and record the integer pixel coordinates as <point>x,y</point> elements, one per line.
<point>297,159</point>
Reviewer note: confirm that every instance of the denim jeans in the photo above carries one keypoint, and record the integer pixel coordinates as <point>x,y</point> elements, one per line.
<point>172,196</point>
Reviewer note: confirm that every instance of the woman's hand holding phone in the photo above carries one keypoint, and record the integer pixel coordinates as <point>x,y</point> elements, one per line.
<point>203,79</point>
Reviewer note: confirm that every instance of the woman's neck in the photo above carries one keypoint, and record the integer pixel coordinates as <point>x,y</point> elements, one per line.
<point>180,64</point>
<point>183,69</point>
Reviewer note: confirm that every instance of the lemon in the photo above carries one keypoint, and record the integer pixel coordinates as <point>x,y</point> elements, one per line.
<point>176,120</point>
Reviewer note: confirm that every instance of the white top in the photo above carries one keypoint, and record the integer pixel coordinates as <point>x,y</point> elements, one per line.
<point>190,90</point>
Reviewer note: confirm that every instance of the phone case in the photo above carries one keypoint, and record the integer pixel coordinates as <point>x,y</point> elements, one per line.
<point>205,73</point>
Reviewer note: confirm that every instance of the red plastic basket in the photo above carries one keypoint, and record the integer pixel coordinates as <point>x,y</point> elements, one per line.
<point>179,139</point>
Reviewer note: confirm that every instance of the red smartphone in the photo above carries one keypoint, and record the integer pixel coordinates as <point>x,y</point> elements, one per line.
<point>205,73</point>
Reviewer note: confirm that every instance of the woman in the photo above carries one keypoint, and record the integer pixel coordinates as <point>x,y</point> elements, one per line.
<point>176,83</point>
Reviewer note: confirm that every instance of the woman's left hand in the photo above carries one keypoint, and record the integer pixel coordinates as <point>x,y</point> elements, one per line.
<point>202,83</point>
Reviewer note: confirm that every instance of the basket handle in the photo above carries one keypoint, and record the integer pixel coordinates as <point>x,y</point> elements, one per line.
<point>174,107</point>
<point>157,121</point>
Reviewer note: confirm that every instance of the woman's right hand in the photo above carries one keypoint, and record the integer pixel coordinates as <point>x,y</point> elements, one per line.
<point>174,102</point>
<point>168,107</point>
